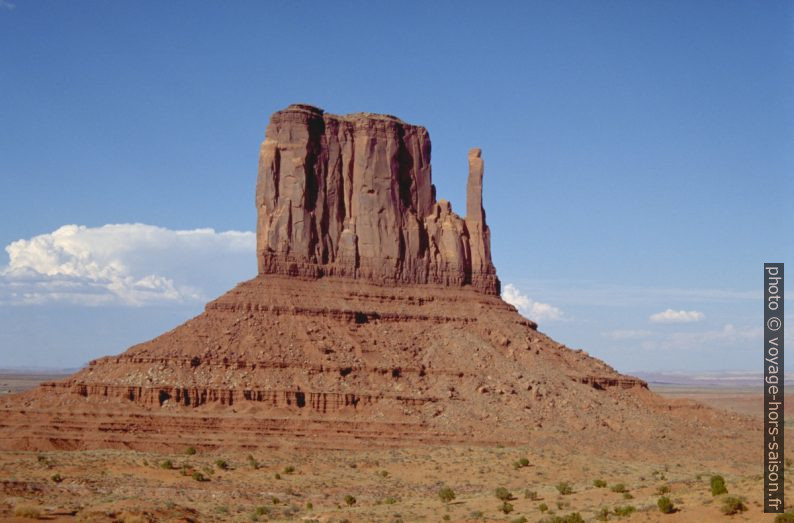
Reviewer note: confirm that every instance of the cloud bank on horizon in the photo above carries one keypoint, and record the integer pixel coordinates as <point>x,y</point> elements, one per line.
<point>131,264</point>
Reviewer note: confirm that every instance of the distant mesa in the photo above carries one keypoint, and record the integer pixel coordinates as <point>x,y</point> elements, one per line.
<point>352,196</point>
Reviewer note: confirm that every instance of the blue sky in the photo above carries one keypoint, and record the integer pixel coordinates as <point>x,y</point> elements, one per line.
<point>638,158</point>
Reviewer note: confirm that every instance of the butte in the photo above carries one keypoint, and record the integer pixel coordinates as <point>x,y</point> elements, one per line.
<point>375,320</point>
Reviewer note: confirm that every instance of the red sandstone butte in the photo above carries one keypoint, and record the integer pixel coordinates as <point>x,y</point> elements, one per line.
<point>375,319</point>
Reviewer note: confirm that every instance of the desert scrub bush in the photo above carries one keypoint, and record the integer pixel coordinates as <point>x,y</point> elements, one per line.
<point>27,511</point>
<point>277,475</point>
<point>564,488</point>
<point>625,510</point>
<point>718,485</point>
<point>222,464</point>
<point>506,507</point>
<point>602,514</point>
<point>383,473</point>
<point>56,478</point>
<point>599,483</point>
<point>350,500</point>
<point>521,463</point>
<point>198,476</point>
<point>662,490</point>
<point>289,469</point>
<point>787,517</point>
<point>543,507</point>
<point>167,465</point>
<point>391,500</point>
<point>446,495</point>
<point>502,494</point>
<point>522,519</point>
<point>190,451</point>
<point>620,488</point>
<point>574,517</point>
<point>732,505</point>
<point>252,462</point>
<point>627,495</point>
<point>531,495</point>
<point>275,500</point>
<point>665,505</point>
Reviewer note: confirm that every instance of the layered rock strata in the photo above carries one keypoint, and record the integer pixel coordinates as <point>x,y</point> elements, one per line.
<point>352,196</point>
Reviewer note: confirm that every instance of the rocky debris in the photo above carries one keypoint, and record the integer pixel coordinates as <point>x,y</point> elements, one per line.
<point>352,196</point>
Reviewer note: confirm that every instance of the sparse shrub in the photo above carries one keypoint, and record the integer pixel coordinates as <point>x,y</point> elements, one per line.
<point>574,517</point>
<point>167,465</point>
<point>564,488</point>
<point>446,494</point>
<point>506,507</point>
<point>27,511</point>
<point>275,500</point>
<point>789,462</point>
<point>289,469</point>
<point>277,475</point>
<point>56,478</point>
<point>626,510</point>
<point>665,505</point>
<point>383,473</point>
<point>222,464</point>
<point>733,505</point>
<point>531,495</point>
<point>603,514</point>
<point>718,485</point>
<point>620,488</point>
<point>599,483</point>
<point>252,462</point>
<point>262,510</point>
<point>392,500</point>
<point>309,505</point>
<point>198,476</point>
<point>446,517</point>
<point>662,490</point>
<point>524,462</point>
<point>350,500</point>
<point>222,509</point>
<point>190,451</point>
<point>543,507</point>
<point>522,519</point>
<point>502,494</point>
<point>627,495</point>
<point>787,517</point>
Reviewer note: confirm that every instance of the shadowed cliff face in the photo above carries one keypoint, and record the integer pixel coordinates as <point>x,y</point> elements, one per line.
<point>352,196</point>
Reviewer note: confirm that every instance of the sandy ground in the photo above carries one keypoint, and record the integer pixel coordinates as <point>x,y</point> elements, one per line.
<point>284,484</point>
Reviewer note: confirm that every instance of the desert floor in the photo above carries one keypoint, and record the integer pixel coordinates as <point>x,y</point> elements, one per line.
<point>286,484</point>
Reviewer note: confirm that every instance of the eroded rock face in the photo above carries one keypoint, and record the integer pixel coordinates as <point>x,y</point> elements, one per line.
<point>352,196</point>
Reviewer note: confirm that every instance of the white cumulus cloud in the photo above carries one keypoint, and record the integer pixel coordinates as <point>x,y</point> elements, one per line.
<point>528,307</point>
<point>124,264</point>
<point>672,316</point>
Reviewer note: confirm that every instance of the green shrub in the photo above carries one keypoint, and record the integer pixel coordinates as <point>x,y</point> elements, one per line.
<point>350,500</point>
<point>531,495</point>
<point>787,517</point>
<point>543,507</point>
<point>252,462</point>
<point>277,475</point>
<point>626,510</point>
<point>503,494</point>
<point>27,511</point>
<point>662,490</point>
<point>446,494</point>
<point>190,451</point>
<point>665,505</point>
<point>574,517</point>
<point>620,488</point>
<point>603,514</point>
<point>627,495</point>
<point>506,507</point>
<point>392,500</point>
<point>733,505</point>
<point>222,464</point>
<point>599,483</point>
<point>275,500</point>
<point>198,476</point>
<point>57,478</point>
<point>262,510</point>
<point>289,469</point>
<point>718,485</point>
<point>564,488</point>
<point>167,464</point>
<point>383,473</point>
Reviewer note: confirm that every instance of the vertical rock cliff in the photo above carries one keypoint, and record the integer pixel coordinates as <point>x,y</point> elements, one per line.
<point>352,196</point>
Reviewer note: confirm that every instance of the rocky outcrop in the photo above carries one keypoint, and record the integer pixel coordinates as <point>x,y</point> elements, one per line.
<point>352,196</point>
